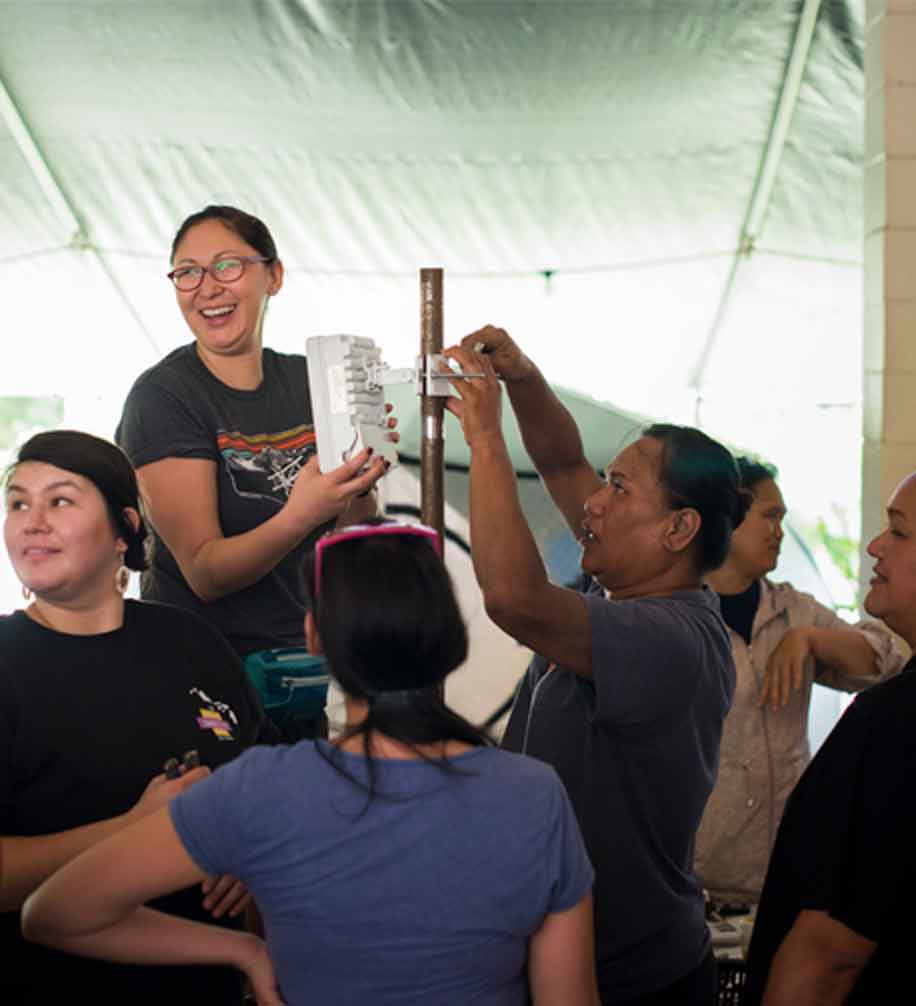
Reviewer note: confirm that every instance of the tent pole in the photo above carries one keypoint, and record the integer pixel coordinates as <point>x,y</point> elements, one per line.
<point>432,504</point>
<point>60,203</point>
<point>766,177</point>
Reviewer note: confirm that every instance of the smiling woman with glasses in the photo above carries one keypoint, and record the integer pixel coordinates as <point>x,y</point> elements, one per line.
<point>409,862</point>
<point>221,434</point>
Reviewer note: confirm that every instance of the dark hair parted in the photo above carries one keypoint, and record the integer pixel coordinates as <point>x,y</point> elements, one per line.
<point>249,228</point>
<point>107,468</point>
<point>389,623</point>
<point>698,472</point>
<point>752,473</point>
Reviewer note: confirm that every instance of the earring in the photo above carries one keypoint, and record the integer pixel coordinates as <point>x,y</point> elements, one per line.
<point>26,593</point>
<point>122,579</point>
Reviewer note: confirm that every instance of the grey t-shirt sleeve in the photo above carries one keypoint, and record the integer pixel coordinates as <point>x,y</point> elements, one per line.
<point>572,871</point>
<point>646,658</point>
<point>158,421</point>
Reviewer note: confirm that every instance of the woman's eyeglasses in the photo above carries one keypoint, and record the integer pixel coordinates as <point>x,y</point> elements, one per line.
<point>326,541</point>
<point>223,270</point>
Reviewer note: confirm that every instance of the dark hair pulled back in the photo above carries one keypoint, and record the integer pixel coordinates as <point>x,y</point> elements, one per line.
<point>107,468</point>
<point>249,228</point>
<point>392,631</point>
<point>698,472</point>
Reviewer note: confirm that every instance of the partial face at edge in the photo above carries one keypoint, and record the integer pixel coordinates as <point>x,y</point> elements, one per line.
<point>892,594</point>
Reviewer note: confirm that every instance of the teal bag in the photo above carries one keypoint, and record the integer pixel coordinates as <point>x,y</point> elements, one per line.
<point>293,688</point>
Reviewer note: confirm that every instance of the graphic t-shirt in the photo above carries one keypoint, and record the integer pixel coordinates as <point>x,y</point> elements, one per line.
<point>258,440</point>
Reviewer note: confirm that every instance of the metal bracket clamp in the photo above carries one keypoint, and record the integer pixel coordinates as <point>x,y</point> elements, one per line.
<point>378,375</point>
<point>427,375</point>
<point>438,383</point>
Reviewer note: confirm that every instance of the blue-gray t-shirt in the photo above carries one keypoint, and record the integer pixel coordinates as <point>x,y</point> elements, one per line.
<point>258,441</point>
<point>429,896</point>
<point>637,747</point>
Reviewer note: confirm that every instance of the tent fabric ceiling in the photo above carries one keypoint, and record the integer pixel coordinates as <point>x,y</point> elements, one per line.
<point>581,170</point>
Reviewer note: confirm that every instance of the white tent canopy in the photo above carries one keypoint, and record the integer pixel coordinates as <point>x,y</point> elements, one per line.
<point>616,146</point>
<point>661,200</point>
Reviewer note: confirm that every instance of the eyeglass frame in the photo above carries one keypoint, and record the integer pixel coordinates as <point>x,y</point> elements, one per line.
<point>358,531</point>
<point>208,269</point>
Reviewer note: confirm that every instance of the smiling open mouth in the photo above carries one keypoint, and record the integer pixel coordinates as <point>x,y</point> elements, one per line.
<point>217,312</point>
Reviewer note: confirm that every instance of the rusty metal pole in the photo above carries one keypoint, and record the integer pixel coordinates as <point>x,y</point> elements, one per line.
<point>432,496</point>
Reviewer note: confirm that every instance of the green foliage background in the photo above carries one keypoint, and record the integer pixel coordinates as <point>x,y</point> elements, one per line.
<point>21,415</point>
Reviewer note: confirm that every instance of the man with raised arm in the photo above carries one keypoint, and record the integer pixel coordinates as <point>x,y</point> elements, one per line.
<point>634,675</point>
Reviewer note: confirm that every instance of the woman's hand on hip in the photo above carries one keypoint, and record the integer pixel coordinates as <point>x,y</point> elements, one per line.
<point>224,895</point>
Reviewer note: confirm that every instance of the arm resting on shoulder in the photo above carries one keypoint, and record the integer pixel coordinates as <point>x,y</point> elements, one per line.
<point>94,905</point>
<point>561,959</point>
<point>817,964</point>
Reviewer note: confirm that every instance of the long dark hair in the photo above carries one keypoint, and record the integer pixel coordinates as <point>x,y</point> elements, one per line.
<point>698,472</point>
<point>391,632</point>
<point>107,468</point>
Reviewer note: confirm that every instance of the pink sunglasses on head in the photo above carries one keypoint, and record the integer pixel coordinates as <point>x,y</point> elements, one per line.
<point>371,531</point>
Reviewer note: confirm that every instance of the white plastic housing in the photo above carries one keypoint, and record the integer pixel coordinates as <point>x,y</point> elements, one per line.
<point>348,401</point>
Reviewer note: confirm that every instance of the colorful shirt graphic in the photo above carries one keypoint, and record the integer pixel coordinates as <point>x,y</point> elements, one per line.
<point>216,716</point>
<point>265,465</point>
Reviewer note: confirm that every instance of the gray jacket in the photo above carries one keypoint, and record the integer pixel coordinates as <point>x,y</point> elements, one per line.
<point>764,753</point>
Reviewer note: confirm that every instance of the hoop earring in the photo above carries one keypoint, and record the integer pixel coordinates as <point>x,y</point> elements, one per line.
<point>122,579</point>
<point>26,593</point>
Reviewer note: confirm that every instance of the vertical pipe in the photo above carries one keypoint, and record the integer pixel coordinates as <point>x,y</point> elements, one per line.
<point>432,503</point>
